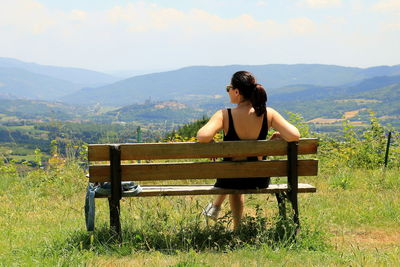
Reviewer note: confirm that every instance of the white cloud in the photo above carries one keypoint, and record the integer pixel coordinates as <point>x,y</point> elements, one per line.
<point>140,17</point>
<point>146,18</point>
<point>26,16</point>
<point>136,33</point>
<point>337,20</point>
<point>302,25</point>
<point>391,11</point>
<point>78,15</point>
<point>261,3</point>
<point>387,6</point>
<point>148,36</point>
<point>395,26</point>
<point>358,6</point>
<point>321,3</point>
<point>243,24</point>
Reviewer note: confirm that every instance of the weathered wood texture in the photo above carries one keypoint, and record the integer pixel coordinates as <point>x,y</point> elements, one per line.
<point>201,150</point>
<point>183,190</point>
<point>202,170</point>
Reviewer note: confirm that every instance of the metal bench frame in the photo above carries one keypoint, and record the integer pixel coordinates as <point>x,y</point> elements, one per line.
<point>282,191</point>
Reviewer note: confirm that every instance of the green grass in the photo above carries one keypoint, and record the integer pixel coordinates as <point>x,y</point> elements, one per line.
<point>352,220</point>
<point>21,127</point>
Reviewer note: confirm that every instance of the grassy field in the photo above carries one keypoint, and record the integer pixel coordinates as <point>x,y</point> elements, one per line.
<point>353,220</point>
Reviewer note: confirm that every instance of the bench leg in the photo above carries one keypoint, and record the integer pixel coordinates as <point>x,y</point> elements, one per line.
<point>115,223</point>
<point>280,197</point>
<point>293,180</point>
<point>293,200</point>
<point>113,201</point>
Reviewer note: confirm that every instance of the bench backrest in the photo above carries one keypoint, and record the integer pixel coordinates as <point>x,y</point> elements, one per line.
<point>112,157</point>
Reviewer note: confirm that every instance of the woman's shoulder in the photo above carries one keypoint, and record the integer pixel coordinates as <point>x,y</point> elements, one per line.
<point>223,112</point>
<point>219,113</point>
<point>271,112</point>
<point>271,115</point>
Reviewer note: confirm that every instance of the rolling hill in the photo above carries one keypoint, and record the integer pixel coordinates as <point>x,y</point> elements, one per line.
<point>22,109</point>
<point>19,79</point>
<point>210,81</point>
<point>380,95</point>
<point>81,77</point>
<point>155,112</point>
<point>312,92</point>
<point>322,93</point>
<point>19,83</point>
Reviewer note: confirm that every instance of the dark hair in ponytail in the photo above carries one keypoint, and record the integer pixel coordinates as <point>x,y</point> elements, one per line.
<point>246,83</point>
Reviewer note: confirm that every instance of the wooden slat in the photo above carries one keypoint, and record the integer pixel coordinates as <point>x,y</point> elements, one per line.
<point>98,152</point>
<point>203,170</point>
<point>182,190</point>
<point>150,151</point>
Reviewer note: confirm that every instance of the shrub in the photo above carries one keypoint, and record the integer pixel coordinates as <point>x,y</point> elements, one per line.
<point>365,149</point>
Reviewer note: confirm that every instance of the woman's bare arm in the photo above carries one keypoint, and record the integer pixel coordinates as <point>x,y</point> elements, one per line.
<point>208,131</point>
<point>286,130</point>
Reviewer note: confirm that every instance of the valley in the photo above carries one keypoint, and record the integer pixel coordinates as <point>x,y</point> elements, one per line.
<point>325,96</point>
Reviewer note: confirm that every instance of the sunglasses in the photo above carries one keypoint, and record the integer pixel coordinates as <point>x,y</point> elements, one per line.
<point>228,87</point>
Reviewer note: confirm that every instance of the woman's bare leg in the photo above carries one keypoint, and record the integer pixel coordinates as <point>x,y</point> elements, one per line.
<point>237,202</point>
<point>219,200</point>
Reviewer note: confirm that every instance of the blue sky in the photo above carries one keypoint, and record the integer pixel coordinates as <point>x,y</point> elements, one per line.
<point>109,35</point>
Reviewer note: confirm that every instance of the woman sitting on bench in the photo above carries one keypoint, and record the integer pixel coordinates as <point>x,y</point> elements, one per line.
<point>249,120</point>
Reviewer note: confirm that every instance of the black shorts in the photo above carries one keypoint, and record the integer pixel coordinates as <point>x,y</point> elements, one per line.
<point>243,183</point>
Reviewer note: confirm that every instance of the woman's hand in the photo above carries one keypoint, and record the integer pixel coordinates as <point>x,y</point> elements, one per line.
<point>287,131</point>
<point>276,136</point>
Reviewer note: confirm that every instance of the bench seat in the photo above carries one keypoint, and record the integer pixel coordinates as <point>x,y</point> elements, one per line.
<point>182,190</point>
<point>157,162</point>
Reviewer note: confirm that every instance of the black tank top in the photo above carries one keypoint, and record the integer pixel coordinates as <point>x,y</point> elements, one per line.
<point>244,183</point>
<point>231,135</point>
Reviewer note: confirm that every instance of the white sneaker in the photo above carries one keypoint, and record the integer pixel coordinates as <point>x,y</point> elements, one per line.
<point>211,211</point>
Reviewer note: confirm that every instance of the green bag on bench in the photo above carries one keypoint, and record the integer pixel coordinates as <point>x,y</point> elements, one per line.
<point>104,189</point>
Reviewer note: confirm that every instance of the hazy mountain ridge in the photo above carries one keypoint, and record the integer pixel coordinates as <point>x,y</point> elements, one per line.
<point>383,100</point>
<point>189,93</point>
<point>22,109</point>
<point>82,77</point>
<point>204,80</point>
<point>162,111</point>
<point>20,83</point>
<point>17,110</point>
<point>34,81</point>
<point>310,92</point>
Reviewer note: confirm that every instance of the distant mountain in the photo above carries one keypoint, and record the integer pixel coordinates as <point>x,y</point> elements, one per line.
<point>381,71</point>
<point>19,83</point>
<point>211,81</point>
<point>81,77</point>
<point>171,111</point>
<point>33,81</point>
<point>380,95</point>
<point>11,109</point>
<point>311,92</point>
<point>185,94</point>
<point>126,74</point>
<point>373,83</point>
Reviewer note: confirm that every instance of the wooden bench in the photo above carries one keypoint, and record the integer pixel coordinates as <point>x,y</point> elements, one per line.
<point>119,167</point>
